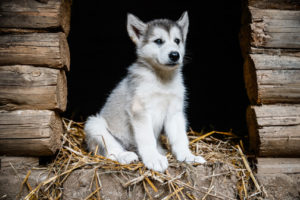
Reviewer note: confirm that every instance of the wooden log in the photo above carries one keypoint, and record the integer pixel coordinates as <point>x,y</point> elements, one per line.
<point>274,130</point>
<point>272,79</point>
<point>275,28</point>
<point>28,87</point>
<point>39,49</point>
<point>17,15</point>
<point>277,52</point>
<point>278,165</point>
<point>275,4</point>
<point>30,132</point>
<point>17,162</point>
<point>269,29</point>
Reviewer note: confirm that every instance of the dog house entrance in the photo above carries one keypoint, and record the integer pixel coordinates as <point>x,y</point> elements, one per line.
<point>101,51</point>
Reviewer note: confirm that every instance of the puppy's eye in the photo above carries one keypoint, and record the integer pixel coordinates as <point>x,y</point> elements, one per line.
<point>159,41</point>
<point>177,41</point>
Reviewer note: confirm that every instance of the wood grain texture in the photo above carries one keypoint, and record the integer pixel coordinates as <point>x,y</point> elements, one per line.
<point>278,165</point>
<point>275,28</point>
<point>268,30</point>
<point>275,4</point>
<point>274,130</point>
<point>272,79</point>
<point>28,87</point>
<point>30,132</point>
<point>18,15</point>
<point>39,49</point>
<point>277,52</point>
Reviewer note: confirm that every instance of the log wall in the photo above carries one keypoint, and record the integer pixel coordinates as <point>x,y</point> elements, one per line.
<point>28,87</point>
<point>30,132</point>
<point>38,49</point>
<point>34,56</point>
<point>35,16</point>
<point>274,130</point>
<point>270,44</point>
<point>272,78</point>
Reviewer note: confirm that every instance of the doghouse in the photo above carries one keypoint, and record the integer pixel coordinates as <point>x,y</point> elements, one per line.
<point>36,65</point>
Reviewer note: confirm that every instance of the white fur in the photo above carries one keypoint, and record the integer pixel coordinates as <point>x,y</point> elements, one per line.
<point>150,99</point>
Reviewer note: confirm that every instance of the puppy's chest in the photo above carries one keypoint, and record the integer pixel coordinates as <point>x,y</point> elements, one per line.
<point>159,106</point>
<point>159,101</point>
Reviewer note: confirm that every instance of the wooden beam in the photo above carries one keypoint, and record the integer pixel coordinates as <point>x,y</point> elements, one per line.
<point>30,132</point>
<point>275,4</point>
<point>274,28</point>
<point>272,79</point>
<point>28,87</point>
<point>21,15</point>
<point>270,31</point>
<point>278,165</point>
<point>38,49</point>
<point>274,130</point>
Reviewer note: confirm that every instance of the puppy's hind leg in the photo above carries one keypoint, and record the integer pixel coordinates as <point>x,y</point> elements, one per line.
<point>97,134</point>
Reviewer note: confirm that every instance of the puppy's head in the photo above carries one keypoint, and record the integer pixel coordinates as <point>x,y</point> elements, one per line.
<point>159,42</point>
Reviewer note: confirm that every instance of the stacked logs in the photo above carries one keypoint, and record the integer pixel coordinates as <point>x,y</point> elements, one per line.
<point>34,56</point>
<point>270,43</point>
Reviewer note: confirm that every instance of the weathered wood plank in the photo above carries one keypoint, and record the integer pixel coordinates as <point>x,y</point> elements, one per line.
<point>275,4</point>
<point>7,161</point>
<point>28,87</point>
<point>270,31</point>
<point>30,14</point>
<point>272,79</point>
<point>30,132</point>
<point>275,28</point>
<point>278,165</point>
<point>274,130</point>
<point>277,52</point>
<point>39,49</point>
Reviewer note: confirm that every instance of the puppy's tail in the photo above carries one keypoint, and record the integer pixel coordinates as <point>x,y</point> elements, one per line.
<point>95,129</point>
<point>97,134</point>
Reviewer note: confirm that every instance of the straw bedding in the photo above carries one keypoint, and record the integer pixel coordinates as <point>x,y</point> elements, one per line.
<point>227,174</point>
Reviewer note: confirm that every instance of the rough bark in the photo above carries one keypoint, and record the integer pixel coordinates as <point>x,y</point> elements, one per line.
<point>272,79</point>
<point>39,49</point>
<point>275,4</point>
<point>268,30</point>
<point>278,165</point>
<point>274,130</point>
<point>20,15</point>
<point>30,132</point>
<point>28,87</point>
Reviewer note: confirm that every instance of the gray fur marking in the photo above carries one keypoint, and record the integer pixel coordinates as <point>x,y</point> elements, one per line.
<point>165,24</point>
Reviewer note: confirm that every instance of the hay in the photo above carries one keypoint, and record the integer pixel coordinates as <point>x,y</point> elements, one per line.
<point>216,147</point>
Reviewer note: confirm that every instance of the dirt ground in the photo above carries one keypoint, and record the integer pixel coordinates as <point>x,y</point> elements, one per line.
<point>78,184</point>
<point>76,174</point>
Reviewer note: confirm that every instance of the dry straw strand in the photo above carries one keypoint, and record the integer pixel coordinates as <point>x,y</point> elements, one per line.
<point>215,146</point>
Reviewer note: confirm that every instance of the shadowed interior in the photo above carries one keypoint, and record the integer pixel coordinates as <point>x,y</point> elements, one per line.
<point>101,51</point>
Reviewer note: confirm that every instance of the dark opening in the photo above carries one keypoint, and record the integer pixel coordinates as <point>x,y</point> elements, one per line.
<point>101,51</point>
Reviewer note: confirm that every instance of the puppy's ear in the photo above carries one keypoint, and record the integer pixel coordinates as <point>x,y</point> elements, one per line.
<point>183,22</point>
<point>135,28</point>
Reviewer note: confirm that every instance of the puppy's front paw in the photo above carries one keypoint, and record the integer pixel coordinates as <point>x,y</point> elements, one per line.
<point>125,157</point>
<point>156,162</point>
<point>190,158</point>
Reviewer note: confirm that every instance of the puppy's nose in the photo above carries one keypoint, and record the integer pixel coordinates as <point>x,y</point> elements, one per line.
<point>174,56</point>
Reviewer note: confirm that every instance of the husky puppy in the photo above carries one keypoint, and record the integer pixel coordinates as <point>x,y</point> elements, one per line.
<point>148,101</point>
